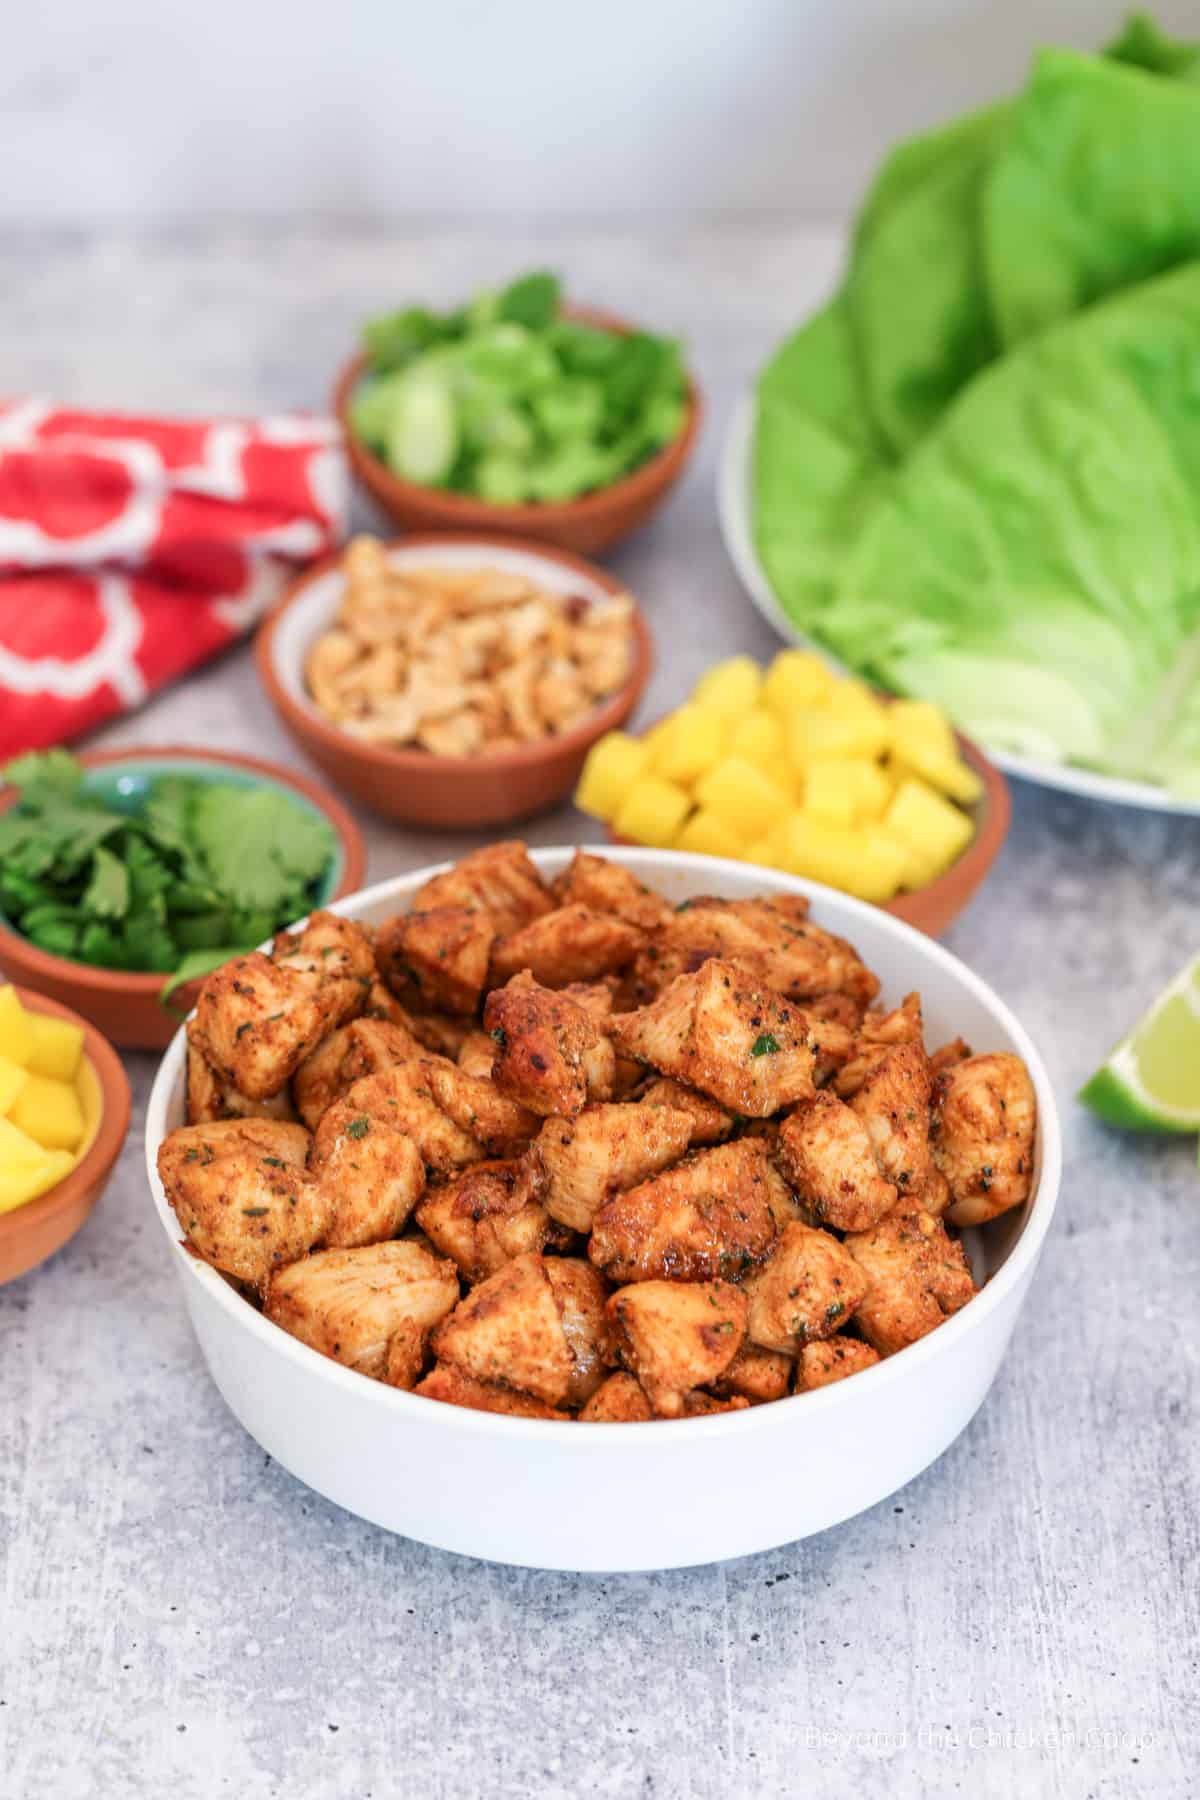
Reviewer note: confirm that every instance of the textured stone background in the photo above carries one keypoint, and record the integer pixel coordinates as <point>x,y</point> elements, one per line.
<point>179,1616</point>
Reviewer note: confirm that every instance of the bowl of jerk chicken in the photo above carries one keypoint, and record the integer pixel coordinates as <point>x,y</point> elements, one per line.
<point>603,1211</point>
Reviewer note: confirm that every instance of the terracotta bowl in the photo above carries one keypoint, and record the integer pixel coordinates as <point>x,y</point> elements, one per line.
<point>126,1006</point>
<point>31,1233</point>
<point>452,793</point>
<point>588,525</point>
<point>934,907</point>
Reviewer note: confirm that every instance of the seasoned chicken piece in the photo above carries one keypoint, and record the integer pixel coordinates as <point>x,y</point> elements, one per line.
<point>786,1205</point>
<point>956,1051</point>
<point>476,1105</point>
<point>577,1164</point>
<point>757,1374</point>
<point>595,997</point>
<point>403,1095</point>
<point>436,960</point>
<point>608,888</point>
<point>715,1031</point>
<point>935,1195</point>
<point>836,1009</point>
<point>878,1033</point>
<point>209,1098</point>
<point>440,1033</point>
<point>708,1216</point>
<point>242,1194</point>
<point>372,1172</point>
<point>916,1276</point>
<point>774,949</point>
<point>985,1118</point>
<point>538,1325</point>
<point>820,1364</point>
<point>809,1289</point>
<point>551,1056</point>
<point>893,1104</point>
<point>572,944</point>
<point>483,1219</point>
<point>369,1308</point>
<point>456,1388</point>
<point>500,881</point>
<point>477,1055</point>
<point>363,1047</point>
<point>825,1152</point>
<point>697,1405</point>
<point>711,1124</point>
<point>383,1004</point>
<point>617,1401</point>
<point>675,1336</point>
<point>258,1017</point>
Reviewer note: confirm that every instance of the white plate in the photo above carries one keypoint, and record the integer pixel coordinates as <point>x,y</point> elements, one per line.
<point>734,510</point>
<point>658,1495</point>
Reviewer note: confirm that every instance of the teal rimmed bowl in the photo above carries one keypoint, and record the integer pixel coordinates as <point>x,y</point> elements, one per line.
<point>126,1006</point>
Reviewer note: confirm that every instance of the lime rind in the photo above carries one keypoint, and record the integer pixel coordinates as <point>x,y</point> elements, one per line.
<point>1119,1092</point>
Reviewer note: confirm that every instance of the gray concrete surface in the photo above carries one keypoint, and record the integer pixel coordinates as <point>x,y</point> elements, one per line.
<point>180,1616</point>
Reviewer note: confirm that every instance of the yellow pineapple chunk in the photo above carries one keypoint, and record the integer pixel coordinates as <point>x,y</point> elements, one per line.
<point>831,790</point>
<point>743,796</point>
<point>812,736</point>
<point>708,835</point>
<point>920,721</point>
<point>695,742</point>
<point>57,1047</point>
<point>613,764</point>
<point>818,849</point>
<point>949,774</point>
<point>796,680</point>
<point>652,812</point>
<point>49,1111</point>
<point>17,1147</point>
<point>759,738</point>
<point>16,1035</point>
<point>916,869</point>
<point>935,827</point>
<point>881,867</point>
<point>762,851</point>
<point>21,1182</point>
<point>12,1080</point>
<point>730,688</point>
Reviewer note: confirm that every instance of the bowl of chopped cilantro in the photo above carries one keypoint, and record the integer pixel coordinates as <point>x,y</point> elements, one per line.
<point>126,875</point>
<point>518,413</point>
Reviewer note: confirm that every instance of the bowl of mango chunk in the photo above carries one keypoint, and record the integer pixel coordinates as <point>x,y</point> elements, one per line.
<point>794,767</point>
<point>64,1112</point>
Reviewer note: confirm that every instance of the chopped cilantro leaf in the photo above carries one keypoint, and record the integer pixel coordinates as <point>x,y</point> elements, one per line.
<point>765,1045</point>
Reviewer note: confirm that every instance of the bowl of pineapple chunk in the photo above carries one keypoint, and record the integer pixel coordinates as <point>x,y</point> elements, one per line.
<point>795,768</point>
<point>64,1112</point>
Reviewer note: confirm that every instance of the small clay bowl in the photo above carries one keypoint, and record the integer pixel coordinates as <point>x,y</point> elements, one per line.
<point>125,1006</point>
<point>587,526</point>
<point>934,907</point>
<point>443,793</point>
<point>31,1233</point>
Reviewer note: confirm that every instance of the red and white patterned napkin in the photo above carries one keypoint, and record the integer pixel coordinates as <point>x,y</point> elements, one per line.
<point>132,549</point>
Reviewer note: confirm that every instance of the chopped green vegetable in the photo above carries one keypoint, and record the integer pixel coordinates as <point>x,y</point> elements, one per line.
<point>508,400</point>
<point>765,1045</point>
<point>200,872</point>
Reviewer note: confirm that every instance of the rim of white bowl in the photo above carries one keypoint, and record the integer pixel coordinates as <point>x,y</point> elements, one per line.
<point>943,1341</point>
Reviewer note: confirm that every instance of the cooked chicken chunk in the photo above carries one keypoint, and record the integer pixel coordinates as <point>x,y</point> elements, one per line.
<point>877,1033</point>
<point>757,1374</point>
<point>675,1336</point>
<point>353,1305</point>
<point>773,949</point>
<point>893,1104</point>
<point>436,960</point>
<point>538,1325</point>
<point>403,1096</point>
<point>698,1405</point>
<point>809,1289</point>
<point>483,1219</point>
<point>956,1051</point>
<point>570,944</point>
<point>363,1047</point>
<point>916,1276</point>
<point>579,1163</point>
<point>821,1364</point>
<point>372,1172</point>
<point>209,1098</point>
<point>617,1401</point>
<point>825,1152</point>
<point>500,881</point>
<point>258,1017</point>
<point>743,1045</point>
<point>711,1124</point>
<point>456,1388</point>
<point>710,1215</point>
<point>242,1194</point>
<point>985,1117</point>
<point>500,1124</point>
<point>608,888</point>
<point>477,1055</point>
<point>550,1055</point>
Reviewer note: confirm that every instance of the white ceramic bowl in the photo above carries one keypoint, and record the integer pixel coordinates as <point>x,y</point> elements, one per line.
<point>649,1496</point>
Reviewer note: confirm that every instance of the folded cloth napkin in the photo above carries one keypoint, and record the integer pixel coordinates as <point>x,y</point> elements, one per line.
<point>132,549</point>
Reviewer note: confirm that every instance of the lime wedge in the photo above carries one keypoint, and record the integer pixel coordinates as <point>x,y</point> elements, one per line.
<point>1151,1082</point>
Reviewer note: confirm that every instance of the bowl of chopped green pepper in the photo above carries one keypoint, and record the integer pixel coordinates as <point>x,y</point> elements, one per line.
<point>126,875</point>
<point>518,413</point>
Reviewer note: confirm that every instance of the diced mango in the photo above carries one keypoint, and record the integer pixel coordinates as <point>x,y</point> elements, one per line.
<point>730,688</point>
<point>814,735</point>
<point>817,848</point>
<point>695,742</point>
<point>613,764</point>
<point>16,1034</point>
<point>17,1147</point>
<point>743,796</point>
<point>57,1047</point>
<point>919,721</point>
<point>948,773</point>
<point>21,1182</point>
<point>916,869</point>
<point>12,1080</point>
<point>652,811</point>
<point>708,835</point>
<point>759,738</point>
<point>91,1101</point>
<point>796,680</point>
<point>881,866</point>
<point>831,790</point>
<point>935,827</point>
<point>49,1111</point>
<point>762,851</point>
